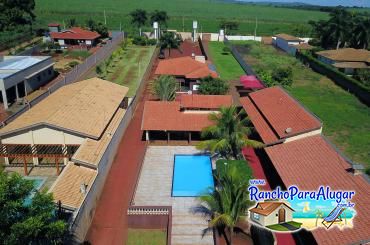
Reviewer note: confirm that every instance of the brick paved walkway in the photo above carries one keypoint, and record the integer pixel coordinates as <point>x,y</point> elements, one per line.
<point>109,225</point>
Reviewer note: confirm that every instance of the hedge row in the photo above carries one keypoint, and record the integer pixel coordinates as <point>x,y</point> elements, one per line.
<point>331,72</point>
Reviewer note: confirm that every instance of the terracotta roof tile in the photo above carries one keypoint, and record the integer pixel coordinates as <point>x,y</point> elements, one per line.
<point>184,66</point>
<point>161,115</point>
<point>266,133</point>
<point>84,107</point>
<point>266,208</point>
<point>282,112</point>
<point>75,33</point>
<point>204,101</point>
<point>288,37</point>
<point>67,187</point>
<point>346,54</point>
<point>355,65</point>
<point>312,162</point>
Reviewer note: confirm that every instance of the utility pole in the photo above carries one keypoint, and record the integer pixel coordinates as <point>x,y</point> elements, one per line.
<point>255,30</point>
<point>120,26</point>
<point>183,24</point>
<point>105,18</point>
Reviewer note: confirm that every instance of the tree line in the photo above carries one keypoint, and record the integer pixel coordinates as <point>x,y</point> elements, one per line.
<point>343,29</point>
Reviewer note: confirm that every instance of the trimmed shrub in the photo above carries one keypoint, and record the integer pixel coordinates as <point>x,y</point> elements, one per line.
<point>213,86</point>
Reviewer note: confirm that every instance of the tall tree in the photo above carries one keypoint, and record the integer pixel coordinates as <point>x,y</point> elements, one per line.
<point>227,204</point>
<point>213,86</point>
<point>71,22</point>
<point>361,32</point>
<point>165,87</point>
<point>159,16</point>
<point>16,12</point>
<point>339,26</point>
<point>229,134</point>
<point>229,26</point>
<point>170,41</point>
<point>27,222</point>
<point>139,18</point>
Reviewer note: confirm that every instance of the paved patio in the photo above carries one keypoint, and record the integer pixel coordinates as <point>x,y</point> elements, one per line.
<point>154,189</point>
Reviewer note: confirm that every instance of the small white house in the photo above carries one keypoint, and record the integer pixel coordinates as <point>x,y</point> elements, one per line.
<point>287,42</point>
<point>271,213</point>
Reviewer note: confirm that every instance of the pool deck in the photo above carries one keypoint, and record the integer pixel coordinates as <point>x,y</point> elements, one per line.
<point>154,189</point>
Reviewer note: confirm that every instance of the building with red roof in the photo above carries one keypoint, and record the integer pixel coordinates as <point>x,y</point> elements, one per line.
<point>75,36</point>
<point>181,118</point>
<point>278,117</point>
<point>187,70</point>
<point>312,162</point>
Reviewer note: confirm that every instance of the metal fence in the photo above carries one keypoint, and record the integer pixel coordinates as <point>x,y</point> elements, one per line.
<point>73,76</point>
<point>247,68</point>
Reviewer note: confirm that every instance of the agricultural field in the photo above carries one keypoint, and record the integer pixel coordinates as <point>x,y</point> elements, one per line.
<point>226,65</point>
<point>182,12</point>
<point>129,68</point>
<point>346,121</point>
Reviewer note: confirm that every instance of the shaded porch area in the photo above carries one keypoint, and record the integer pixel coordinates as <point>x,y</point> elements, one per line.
<point>29,156</point>
<point>157,137</point>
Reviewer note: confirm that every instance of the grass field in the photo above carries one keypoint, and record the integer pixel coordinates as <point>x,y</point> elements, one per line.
<point>146,237</point>
<point>207,12</point>
<point>129,70</point>
<point>226,65</point>
<point>346,121</point>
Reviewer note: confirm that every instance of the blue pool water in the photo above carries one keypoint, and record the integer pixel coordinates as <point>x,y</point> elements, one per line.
<point>37,183</point>
<point>192,175</point>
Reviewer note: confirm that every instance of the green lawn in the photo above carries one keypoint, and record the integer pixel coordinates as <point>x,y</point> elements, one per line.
<point>226,65</point>
<point>76,54</point>
<point>208,13</point>
<point>279,227</point>
<point>346,121</point>
<point>146,237</point>
<point>242,167</point>
<point>129,70</point>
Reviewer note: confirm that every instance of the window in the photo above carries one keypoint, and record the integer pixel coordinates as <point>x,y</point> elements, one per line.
<point>39,78</point>
<point>256,216</point>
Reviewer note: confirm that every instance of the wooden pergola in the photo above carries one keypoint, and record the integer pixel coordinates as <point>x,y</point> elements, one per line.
<point>25,151</point>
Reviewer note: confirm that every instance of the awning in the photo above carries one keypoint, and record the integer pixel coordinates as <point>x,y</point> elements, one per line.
<point>251,82</point>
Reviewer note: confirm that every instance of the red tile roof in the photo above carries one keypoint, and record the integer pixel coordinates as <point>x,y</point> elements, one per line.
<point>204,101</point>
<point>163,115</point>
<point>185,67</point>
<point>266,208</point>
<point>75,33</point>
<point>312,162</point>
<point>273,111</point>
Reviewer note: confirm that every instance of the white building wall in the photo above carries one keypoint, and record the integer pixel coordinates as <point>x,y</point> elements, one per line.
<point>43,135</point>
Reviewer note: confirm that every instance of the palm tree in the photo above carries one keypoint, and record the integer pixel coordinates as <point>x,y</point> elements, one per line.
<point>361,32</point>
<point>229,134</point>
<point>170,40</point>
<point>227,204</point>
<point>339,26</point>
<point>319,214</point>
<point>165,88</point>
<point>139,18</point>
<point>159,16</point>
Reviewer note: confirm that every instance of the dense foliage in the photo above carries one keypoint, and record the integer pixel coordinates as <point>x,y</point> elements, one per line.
<point>27,222</point>
<point>165,87</point>
<point>16,13</point>
<point>343,29</point>
<point>98,27</point>
<point>143,41</point>
<point>170,40</point>
<point>226,205</point>
<point>280,76</point>
<point>229,134</point>
<point>213,86</point>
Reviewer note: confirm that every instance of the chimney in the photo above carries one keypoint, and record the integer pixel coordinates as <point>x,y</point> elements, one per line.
<point>83,188</point>
<point>357,169</point>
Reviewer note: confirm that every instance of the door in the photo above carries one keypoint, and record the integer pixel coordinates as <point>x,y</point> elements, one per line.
<point>281,215</point>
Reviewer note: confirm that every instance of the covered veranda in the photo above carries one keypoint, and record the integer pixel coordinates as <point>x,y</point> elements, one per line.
<point>172,137</point>
<point>46,155</point>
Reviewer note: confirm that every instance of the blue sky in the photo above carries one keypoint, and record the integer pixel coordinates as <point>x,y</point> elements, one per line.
<point>361,3</point>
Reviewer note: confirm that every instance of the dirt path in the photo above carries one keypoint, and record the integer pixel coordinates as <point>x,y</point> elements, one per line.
<point>109,225</point>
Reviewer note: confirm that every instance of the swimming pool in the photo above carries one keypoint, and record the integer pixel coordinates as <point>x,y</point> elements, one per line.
<point>192,175</point>
<point>37,183</point>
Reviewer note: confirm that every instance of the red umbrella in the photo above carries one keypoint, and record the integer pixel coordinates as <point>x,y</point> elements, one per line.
<point>251,82</point>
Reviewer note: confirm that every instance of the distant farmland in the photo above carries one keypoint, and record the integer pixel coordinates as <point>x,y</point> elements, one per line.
<point>208,13</point>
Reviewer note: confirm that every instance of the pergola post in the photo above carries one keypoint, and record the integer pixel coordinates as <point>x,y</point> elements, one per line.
<point>25,166</point>
<point>168,137</point>
<point>57,164</point>
<point>189,137</point>
<point>147,135</point>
